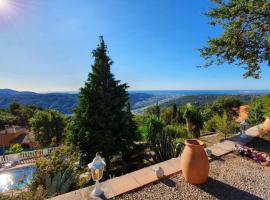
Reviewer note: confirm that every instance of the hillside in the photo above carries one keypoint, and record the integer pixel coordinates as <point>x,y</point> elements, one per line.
<point>64,102</point>
<point>139,101</point>
<point>61,102</point>
<point>203,99</point>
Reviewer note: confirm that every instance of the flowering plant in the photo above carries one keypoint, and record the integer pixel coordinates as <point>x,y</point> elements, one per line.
<point>257,156</point>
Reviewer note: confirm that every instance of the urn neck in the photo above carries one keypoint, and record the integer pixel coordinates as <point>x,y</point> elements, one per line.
<point>194,143</point>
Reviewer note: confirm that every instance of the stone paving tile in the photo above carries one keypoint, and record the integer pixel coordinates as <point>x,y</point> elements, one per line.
<point>254,131</point>
<point>82,194</point>
<point>224,146</point>
<point>168,169</point>
<point>216,151</point>
<point>123,184</point>
<point>144,176</point>
<point>175,163</point>
<point>85,193</point>
<point>229,143</point>
<point>107,188</point>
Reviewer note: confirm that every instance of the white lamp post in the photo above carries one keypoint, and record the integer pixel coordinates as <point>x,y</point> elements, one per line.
<point>97,168</point>
<point>243,128</point>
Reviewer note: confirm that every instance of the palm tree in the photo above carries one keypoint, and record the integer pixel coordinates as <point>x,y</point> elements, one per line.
<point>188,117</point>
<point>194,120</point>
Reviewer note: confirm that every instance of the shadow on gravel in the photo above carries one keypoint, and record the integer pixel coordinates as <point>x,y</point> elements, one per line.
<point>261,143</point>
<point>216,158</point>
<point>224,191</point>
<point>169,182</point>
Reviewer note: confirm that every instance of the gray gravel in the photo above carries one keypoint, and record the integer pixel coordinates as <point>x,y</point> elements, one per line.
<point>231,177</point>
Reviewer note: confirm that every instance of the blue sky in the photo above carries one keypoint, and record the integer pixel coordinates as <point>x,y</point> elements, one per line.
<point>45,45</point>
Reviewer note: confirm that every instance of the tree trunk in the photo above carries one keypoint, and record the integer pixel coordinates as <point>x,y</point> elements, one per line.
<point>189,125</point>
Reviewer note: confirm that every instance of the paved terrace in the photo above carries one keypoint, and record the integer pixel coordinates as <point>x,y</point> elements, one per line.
<point>140,178</point>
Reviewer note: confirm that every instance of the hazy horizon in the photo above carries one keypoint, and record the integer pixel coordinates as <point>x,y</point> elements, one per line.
<point>149,91</point>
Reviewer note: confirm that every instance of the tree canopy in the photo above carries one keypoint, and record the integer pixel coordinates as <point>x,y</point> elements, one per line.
<point>245,39</point>
<point>228,104</point>
<point>48,127</point>
<point>15,148</point>
<point>102,121</point>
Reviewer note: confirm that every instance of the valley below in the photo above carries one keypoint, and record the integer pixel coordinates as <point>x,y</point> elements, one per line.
<point>139,100</point>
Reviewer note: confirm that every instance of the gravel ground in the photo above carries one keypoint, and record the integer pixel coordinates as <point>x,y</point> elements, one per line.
<point>231,177</point>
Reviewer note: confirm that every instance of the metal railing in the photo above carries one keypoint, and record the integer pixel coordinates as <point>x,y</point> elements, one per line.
<point>27,155</point>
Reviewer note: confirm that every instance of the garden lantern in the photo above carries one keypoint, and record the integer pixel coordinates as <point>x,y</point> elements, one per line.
<point>243,128</point>
<point>97,167</point>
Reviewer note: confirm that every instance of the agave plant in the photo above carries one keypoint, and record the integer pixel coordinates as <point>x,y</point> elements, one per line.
<point>162,139</point>
<point>59,183</point>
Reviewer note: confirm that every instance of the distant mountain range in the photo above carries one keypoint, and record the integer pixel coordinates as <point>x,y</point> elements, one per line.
<point>64,102</point>
<point>139,100</point>
<point>14,92</point>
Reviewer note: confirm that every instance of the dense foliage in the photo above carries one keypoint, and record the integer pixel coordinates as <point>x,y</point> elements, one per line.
<point>57,174</point>
<point>6,119</point>
<point>222,124</point>
<point>102,121</point>
<point>228,104</point>
<point>40,194</point>
<point>15,148</point>
<point>48,127</point>
<point>163,140</point>
<point>204,99</point>
<point>259,108</point>
<point>194,120</point>
<point>245,38</point>
<point>22,113</point>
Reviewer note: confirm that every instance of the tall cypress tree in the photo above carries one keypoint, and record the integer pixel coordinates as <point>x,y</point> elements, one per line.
<point>102,119</point>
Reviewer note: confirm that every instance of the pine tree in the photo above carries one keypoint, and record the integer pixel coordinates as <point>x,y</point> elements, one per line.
<point>102,122</point>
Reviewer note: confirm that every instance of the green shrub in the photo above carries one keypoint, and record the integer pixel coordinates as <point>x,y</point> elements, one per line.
<point>176,131</point>
<point>259,108</point>
<point>163,140</point>
<point>6,119</point>
<point>226,104</point>
<point>15,148</point>
<point>166,115</point>
<point>40,194</point>
<point>57,174</point>
<point>48,127</point>
<point>193,116</point>
<point>210,125</point>
<point>221,124</point>
<point>233,127</point>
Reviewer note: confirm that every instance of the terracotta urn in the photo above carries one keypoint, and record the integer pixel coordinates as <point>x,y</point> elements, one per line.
<point>266,124</point>
<point>194,162</point>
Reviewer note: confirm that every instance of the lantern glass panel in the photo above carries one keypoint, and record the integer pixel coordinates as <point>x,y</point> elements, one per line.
<point>97,174</point>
